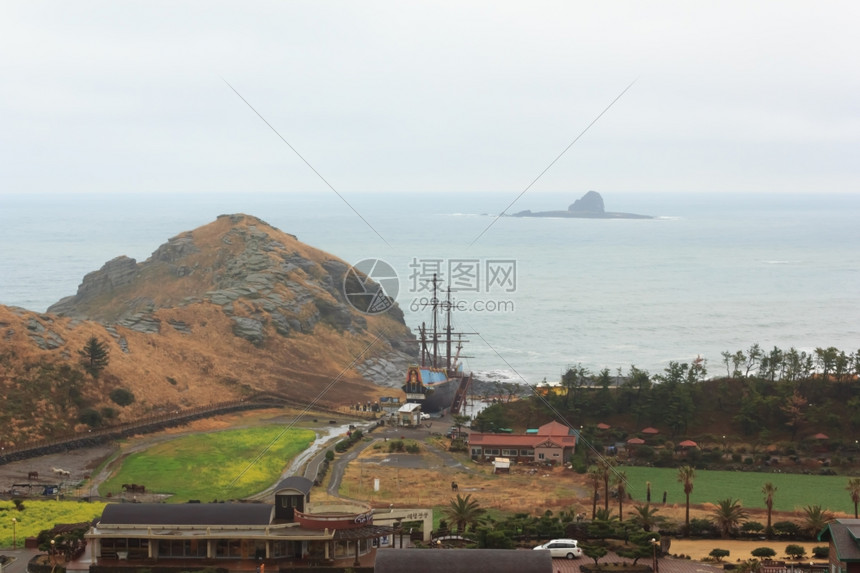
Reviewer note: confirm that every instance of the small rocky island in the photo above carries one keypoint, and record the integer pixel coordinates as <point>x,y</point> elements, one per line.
<point>590,206</point>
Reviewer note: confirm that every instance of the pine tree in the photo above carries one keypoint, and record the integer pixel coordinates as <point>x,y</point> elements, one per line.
<point>94,356</point>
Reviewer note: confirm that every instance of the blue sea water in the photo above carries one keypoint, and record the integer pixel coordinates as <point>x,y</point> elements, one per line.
<point>712,273</point>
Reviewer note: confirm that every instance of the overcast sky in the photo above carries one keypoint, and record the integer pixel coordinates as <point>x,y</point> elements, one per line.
<point>429,96</point>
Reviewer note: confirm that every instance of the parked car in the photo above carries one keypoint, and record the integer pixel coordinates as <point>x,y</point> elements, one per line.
<point>425,416</point>
<point>567,548</point>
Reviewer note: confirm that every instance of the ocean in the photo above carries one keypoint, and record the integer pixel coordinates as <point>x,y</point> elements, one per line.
<point>711,273</point>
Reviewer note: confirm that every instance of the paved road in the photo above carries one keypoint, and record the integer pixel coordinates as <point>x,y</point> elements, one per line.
<point>18,560</point>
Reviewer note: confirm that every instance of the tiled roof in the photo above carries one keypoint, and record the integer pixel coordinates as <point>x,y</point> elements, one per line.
<point>554,429</point>
<point>845,534</point>
<point>186,514</point>
<point>463,560</point>
<point>530,440</point>
<point>299,483</point>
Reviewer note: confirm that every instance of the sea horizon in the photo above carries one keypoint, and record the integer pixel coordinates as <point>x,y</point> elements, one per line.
<point>711,273</point>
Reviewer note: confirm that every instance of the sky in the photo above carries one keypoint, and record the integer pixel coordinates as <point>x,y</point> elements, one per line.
<point>734,97</point>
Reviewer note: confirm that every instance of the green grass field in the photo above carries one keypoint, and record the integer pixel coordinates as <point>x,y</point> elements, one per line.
<point>793,491</point>
<point>42,514</point>
<point>218,465</point>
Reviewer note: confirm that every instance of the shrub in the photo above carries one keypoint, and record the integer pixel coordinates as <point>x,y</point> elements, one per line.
<point>412,448</point>
<point>718,554</point>
<point>763,552</point>
<point>703,528</point>
<point>90,417</point>
<point>342,446</point>
<point>329,455</point>
<point>752,527</point>
<point>122,397</point>
<point>795,551</point>
<point>821,552</point>
<point>786,529</point>
<point>458,445</point>
<point>396,446</point>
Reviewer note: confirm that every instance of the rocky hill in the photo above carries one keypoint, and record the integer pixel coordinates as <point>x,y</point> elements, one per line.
<point>229,309</point>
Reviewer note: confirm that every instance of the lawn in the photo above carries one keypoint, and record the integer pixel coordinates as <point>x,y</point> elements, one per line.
<point>794,491</point>
<point>222,465</point>
<point>41,514</point>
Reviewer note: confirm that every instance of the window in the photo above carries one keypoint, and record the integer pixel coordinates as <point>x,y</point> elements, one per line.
<point>540,456</point>
<point>228,548</point>
<point>529,453</point>
<point>136,548</point>
<point>181,548</point>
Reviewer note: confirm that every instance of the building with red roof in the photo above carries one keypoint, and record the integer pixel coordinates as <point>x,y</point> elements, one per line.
<point>554,443</point>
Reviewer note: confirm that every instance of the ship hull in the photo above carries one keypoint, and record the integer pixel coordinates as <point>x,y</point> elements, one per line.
<point>441,398</point>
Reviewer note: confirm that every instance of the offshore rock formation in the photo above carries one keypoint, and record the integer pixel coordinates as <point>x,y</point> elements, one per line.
<point>589,206</point>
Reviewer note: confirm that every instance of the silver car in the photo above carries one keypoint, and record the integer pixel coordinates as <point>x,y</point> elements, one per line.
<point>567,548</point>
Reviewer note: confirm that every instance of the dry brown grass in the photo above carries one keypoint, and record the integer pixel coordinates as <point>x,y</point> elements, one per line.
<point>551,488</point>
<point>555,489</point>
<point>174,370</point>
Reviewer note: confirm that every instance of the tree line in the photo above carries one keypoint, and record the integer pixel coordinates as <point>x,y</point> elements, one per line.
<point>773,395</point>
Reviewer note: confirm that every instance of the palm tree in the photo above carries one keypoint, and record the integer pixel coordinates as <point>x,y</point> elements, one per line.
<point>728,515</point>
<point>605,466</point>
<point>854,489</point>
<point>465,511</point>
<point>686,475</point>
<point>595,478</point>
<point>768,489</point>
<point>816,519</point>
<point>620,481</point>
<point>646,516</point>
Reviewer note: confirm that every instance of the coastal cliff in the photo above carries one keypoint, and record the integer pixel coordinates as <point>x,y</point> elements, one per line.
<point>218,313</point>
<point>589,206</point>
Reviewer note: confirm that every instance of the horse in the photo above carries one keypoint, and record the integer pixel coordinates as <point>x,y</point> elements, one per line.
<point>454,486</point>
<point>134,488</point>
<point>33,475</point>
<point>61,472</point>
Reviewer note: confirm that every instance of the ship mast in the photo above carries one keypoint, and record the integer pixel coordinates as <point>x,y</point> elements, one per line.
<point>448,334</point>
<point>424,351</point>
<point>435,304</point>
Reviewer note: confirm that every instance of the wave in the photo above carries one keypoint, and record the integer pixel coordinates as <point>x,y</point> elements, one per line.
<point>499,375</point>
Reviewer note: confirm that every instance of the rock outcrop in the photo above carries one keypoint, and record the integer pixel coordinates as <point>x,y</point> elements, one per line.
<point>591,202</point>
<point>589,206</point>
<point>229,309</point>
<point>255,273</point>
